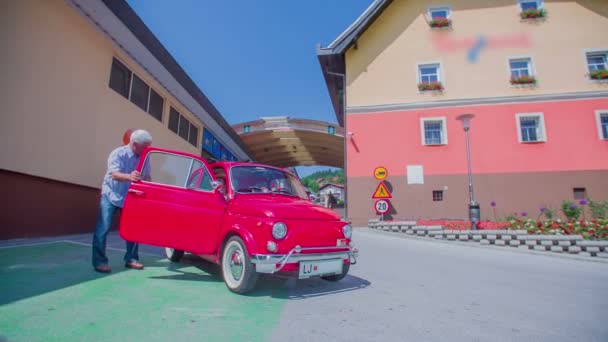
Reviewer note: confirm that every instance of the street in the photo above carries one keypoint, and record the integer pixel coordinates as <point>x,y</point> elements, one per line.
<point>422,290</point>
<point>402,289</point>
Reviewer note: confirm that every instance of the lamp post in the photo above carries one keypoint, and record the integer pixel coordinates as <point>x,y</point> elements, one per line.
<point>474,212</point>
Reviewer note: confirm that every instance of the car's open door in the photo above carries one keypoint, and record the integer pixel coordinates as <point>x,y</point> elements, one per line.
<point>175,204</point>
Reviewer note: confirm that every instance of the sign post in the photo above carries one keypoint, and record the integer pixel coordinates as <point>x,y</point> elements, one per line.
<point>382,194</point>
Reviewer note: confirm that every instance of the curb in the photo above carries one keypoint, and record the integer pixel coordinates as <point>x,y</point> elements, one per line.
<point>472,244</point>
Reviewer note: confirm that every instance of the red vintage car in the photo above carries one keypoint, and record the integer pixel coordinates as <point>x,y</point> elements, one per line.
<point>247,218</point>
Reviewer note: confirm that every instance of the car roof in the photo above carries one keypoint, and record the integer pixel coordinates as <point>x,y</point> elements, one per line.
<point>233,164</point>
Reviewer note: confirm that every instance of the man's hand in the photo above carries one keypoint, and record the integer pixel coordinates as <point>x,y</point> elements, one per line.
<point>135,176</point>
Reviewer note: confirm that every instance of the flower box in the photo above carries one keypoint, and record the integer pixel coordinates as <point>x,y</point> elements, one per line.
<point>523,80</point>
<point>533,14</point>
<point>430,86</point>
<point>440,22</point>
<point>599,75</point>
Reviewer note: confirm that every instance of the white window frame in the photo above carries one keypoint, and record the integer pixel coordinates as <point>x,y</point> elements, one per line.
<point>444,130</point>
<point>542,134</point>
<point>529,59</point>
<point>440,76</point>
<point>539,4</point>
<point>586,53</point>
<point>430,10</point>
<point>598,115</point>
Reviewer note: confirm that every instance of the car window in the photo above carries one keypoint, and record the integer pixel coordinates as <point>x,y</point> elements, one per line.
<point>260,179</point>
<point>200,178</point>
<point>168,169</point>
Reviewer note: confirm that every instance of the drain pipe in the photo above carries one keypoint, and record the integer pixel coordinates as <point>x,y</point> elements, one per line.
<point>343,77</point>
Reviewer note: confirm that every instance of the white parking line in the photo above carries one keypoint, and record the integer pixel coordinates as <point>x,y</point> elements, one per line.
<point>30,244</point>
<point>72,242</point>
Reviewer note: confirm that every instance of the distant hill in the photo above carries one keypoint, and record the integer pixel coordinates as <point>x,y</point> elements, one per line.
<point>320,178</point>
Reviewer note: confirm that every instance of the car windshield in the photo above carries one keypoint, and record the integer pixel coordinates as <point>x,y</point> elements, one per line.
<point>260,179</point>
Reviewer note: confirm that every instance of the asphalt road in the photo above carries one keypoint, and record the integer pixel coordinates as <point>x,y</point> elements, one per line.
<point>402,289</point>
<point>421,290</point>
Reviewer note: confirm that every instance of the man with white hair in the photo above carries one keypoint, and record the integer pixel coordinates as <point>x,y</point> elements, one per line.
<point>122,163</point>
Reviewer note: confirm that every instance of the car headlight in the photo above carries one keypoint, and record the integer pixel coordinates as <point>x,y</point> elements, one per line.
<point>279,230</point>
<point>348,231</point>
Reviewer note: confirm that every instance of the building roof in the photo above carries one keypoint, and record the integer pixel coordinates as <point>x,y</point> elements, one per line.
<point>288,142</point>
<point>131,20</point>
<point>331,58</point>
<point>341,186</point>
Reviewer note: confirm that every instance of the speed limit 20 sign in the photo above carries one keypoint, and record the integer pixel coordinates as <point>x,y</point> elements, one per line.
<point>382,206</point>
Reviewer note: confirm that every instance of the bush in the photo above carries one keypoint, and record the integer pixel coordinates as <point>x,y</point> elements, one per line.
<point>571,210</point>
<point>548,213</point>
<point>594,229</point>
<point>599,209</point>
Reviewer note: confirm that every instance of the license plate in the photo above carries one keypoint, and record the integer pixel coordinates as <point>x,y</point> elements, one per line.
<point>320,267</point>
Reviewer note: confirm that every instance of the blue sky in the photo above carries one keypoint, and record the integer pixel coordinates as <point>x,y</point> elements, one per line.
<point>253,58</point>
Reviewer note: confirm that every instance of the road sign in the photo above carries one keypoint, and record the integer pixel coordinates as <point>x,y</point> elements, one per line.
<point>382,192</point>
<point>382,206</point>
<point>380,173</point>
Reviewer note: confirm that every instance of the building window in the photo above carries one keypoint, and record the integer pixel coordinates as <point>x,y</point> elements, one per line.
<point>437,195</point>
<point>428,73</point>
<point>120,78</point>
<point>193,135</point>
<point>129,85</point>
<point>602,124</point>
<point>429,77</point>
<point>247,129</point>
<point>597,65</point>
<point>596,61</point>
<point>520,67</point>
<point>434,131</point>
<point>579,193</point>
<point>531,128</point>
<point>183,127</point>
<point>439,16</point>
<point>526,5</point>
<point>442,12</point>
<point>139,93</point>
<point>331,130</point>
<point>156,104</point>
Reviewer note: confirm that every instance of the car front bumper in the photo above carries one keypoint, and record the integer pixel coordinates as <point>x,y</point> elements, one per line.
<point>271,263</point>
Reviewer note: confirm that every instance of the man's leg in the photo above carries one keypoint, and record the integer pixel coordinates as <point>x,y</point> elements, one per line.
<point>132,256</point>
<point>104,220</point>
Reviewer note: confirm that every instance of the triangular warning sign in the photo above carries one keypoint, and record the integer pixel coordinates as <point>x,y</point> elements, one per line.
<point>382,192</point>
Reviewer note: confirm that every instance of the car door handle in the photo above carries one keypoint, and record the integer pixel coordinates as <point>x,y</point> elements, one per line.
<point>136,192</point>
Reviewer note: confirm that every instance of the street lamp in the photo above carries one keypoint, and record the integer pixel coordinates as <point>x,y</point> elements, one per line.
<point>474,212</point>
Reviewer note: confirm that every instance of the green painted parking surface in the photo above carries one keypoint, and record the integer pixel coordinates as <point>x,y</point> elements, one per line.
<point>50,293</point>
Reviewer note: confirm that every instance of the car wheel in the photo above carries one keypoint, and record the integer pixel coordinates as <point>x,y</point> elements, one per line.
<point>338,277</point>
<point>174,255</point>
<point>237,270</point>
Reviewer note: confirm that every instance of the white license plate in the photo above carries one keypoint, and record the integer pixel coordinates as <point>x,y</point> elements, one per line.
<point>320,267</point>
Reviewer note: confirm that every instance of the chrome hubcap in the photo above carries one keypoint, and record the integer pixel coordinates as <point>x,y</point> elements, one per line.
<point>236,263</point>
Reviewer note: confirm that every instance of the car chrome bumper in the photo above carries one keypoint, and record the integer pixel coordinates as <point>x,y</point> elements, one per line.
<point>271,263</point>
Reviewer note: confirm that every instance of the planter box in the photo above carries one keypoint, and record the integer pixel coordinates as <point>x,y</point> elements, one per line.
<point>533,14</point>
<point>434,86</point>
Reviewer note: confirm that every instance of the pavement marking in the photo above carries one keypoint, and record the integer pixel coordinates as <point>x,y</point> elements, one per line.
<point>75,243</point>
<point>108,248</point>
<point>32,244</point>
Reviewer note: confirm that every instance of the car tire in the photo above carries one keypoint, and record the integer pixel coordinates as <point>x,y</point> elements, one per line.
<point>175,255</point>
<point>338,277</point>
<point>237,270</point>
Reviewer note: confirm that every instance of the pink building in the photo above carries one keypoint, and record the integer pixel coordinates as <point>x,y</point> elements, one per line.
<point>535,86</point>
